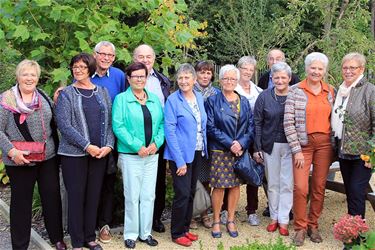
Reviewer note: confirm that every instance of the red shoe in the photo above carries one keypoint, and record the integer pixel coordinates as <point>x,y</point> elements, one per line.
<point>272,227</point>
<point>191,236</point>
<point>183,241</point>
<point>283,231</point>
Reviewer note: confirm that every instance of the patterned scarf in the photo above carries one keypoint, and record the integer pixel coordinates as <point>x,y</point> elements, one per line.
<point>12,100</point>
<point>206,92</point>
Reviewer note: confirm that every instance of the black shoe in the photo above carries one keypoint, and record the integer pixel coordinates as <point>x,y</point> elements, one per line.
<point>93,247</point>
<point>266,212</point>
<point>130,243</point>
<point>291,216</point>
<point>158,226</point>
<point>149,241</point>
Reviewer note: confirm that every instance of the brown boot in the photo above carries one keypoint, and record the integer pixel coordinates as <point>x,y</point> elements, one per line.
<point>314,235</point>
<point>299,237</point>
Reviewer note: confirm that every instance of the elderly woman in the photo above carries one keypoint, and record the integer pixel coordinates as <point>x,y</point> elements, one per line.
<point>205,76</point>
<point>230,131</point>
<point>185,134</point>
<point>26,115</point>
<point>138,126</point>
<point>355,104</point>
<point>83,114</point>
<point>308,131</point>
<point>247,88</point>
<point>272,147</point>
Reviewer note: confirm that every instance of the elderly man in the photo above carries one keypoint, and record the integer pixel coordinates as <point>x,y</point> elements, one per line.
<point>114,80</point>
<point>158,84</point>
<point>274,56</point>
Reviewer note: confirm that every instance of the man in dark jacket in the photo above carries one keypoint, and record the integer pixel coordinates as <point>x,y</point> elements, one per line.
<point>158,84</point>
<point>274,56</point>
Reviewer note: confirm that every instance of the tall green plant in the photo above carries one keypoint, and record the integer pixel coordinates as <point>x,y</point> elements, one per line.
<point>51,32</point>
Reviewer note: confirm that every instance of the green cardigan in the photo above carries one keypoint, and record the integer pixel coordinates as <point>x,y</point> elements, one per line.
<point>128,122</point>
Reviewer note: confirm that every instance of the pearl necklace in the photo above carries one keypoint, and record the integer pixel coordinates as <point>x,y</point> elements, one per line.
<point>85,96</point>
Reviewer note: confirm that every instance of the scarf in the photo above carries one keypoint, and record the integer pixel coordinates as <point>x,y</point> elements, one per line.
<point>339,108</point>
<point>206,92</point>
<point>12,100</point>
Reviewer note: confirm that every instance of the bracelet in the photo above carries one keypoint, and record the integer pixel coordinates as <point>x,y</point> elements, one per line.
<point>14,155</point>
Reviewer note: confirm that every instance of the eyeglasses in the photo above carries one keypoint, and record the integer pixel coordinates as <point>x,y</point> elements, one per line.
<point>138,77</point>
<point>351,68</point>
<point>105,54</point>
<point>229,79</point>
<point>81,68</point>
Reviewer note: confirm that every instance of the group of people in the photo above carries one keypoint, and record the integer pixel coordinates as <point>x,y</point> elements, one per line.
<point>108,118</point>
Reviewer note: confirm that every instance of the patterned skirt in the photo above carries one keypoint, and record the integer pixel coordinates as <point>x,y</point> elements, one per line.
<point>222,174</point>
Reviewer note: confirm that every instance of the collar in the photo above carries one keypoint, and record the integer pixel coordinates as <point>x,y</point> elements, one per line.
<point>303,85</point>
<point>131,97</point>
<point>96,74</point>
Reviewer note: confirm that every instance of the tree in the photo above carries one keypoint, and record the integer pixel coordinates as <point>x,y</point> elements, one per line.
<point>51,32</point>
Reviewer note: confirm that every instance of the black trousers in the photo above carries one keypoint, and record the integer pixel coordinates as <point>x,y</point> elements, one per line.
<point>22,182</point>
<point>356,178</point>
<point>160,188</point>
<point>83,178</point>
<point>105,209</point>
<point>184,191</point>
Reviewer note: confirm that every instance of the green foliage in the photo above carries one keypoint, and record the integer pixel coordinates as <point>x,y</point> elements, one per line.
<point>277,245</point>
<point>169,191</point>
<point>8,60</point>
<point>51,32</point>
<point>37,204</point>
<point>366,241</point>
<point>4,178</point>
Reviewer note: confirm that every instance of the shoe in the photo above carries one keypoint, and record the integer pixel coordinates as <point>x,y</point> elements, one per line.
<point>158,226</point>
<point>253,220</point>
<point>291,216</point>
<point>232,234</point>
<point>150,241</point>
<point>93,245</point>
<point>191,236</point>
<point>283,231</point>
<point>224,217</point>
<point>60,245</point>
<point>130,243</point>
<point>314,235</point>
<point>183,241</point>
<point>299,237</point>
<point>266,212</point>
<point>193,224</point>
<point>272,227</point>
<point>216,234</point>
<point>206,221</point>
<point>105,234</point>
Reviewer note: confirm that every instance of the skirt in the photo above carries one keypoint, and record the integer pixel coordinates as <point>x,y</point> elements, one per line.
<point>222,174</point>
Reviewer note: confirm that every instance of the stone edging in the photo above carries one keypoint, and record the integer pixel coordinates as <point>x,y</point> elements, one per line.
<point>35,237</point>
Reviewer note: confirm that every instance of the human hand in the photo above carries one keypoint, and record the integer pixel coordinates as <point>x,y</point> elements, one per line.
<point>18,156</point>
<point>368,164</point>
<point>93,150</point>
<point>143,152</point>
<point>152,149</point>
<point>56,94</point>
<point>236,147</point>
<point>299,160</point>
<point>181,170</point>
<point>258,157</point>
<point>104,151</point>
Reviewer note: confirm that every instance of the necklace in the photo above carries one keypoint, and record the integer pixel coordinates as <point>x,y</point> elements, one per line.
<point>141,99</point>
<point>274,94</point>
<point>86,96</point>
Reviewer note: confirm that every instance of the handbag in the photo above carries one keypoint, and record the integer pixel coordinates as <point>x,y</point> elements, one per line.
<point>36,151</point>
<point>249,170</point>
<point>202,200</point>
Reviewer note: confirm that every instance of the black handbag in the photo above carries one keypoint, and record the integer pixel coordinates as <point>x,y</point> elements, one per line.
<point>249,170</point>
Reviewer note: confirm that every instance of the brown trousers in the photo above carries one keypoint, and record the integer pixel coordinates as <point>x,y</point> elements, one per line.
<point>318,152</point>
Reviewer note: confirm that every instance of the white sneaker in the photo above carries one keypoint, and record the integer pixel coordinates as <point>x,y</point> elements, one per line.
<point>224,217</point>
<point>253,220</point>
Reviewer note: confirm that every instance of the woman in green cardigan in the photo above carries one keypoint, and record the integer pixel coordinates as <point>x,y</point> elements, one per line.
<point>139,127</point>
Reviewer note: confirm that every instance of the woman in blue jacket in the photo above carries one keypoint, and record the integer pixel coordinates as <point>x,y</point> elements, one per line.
<point>230,131</point>
<point>185,133</point>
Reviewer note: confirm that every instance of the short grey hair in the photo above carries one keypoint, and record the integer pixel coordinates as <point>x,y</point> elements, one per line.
<point>269,52</point>
<point>358,57</point>
<point>316,56</point>
<point>226,68</point>
<point>106,44</point>
<point>281,67</point>
<point>246,60</point>
<point>26,63</point>
<point>186,68</point>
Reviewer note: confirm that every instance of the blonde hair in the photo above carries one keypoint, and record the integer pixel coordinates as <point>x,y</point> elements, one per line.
<point>27,64</point>
<point>361,59</point>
